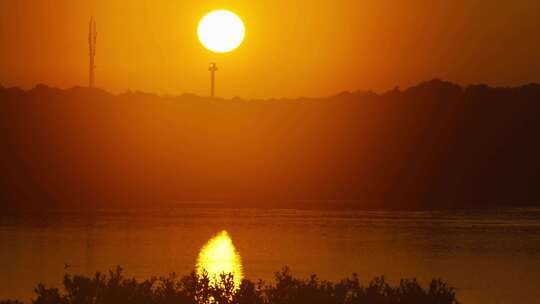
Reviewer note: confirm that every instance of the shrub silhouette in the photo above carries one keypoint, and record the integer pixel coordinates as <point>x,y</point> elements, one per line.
<point>114,288</point>
<point>10,302</point>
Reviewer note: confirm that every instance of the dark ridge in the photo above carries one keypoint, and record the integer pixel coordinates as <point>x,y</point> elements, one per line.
<point>434,145</point>
<point>435,88</point>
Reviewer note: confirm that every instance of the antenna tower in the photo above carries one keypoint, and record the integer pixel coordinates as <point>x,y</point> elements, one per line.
<point>92,37</point>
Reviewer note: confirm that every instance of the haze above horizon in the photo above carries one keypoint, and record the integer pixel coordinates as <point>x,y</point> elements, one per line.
<point>295,49</point>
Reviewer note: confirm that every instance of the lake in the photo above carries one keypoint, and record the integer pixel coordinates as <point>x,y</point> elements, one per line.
<point>489,256</point>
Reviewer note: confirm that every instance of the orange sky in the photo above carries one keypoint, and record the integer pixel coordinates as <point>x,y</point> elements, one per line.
<point>292,48</point>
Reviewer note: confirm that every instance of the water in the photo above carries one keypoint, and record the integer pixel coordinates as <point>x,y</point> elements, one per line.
<point>491,257</point>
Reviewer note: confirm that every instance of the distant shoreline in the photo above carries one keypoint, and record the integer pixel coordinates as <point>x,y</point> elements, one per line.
<point>433,146</point>
<point>135,92</point>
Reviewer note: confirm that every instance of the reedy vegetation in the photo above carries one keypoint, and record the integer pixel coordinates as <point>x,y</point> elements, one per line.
<point>114,288</point>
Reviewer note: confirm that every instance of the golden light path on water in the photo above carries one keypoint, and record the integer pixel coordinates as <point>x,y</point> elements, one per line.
<point>219,256</point>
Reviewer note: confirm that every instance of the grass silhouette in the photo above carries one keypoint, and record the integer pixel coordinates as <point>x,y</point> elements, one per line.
<point>114,288</point>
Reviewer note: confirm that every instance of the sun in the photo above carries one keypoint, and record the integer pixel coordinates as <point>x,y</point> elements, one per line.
<point>221,31</point>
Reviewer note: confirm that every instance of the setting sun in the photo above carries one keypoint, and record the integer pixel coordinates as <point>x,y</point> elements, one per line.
<point>221,31</point>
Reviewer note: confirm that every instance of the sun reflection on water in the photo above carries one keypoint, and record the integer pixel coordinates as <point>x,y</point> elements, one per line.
<point>219,256</point>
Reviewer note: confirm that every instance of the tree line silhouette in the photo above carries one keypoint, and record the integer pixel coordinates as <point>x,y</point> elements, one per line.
<point>114,288</point>
<point>434,145</point>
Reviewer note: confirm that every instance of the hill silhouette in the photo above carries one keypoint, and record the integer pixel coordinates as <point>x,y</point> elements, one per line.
<point>434,145</point>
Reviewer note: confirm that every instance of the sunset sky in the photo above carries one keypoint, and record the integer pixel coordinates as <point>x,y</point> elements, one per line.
<point>291,49</point>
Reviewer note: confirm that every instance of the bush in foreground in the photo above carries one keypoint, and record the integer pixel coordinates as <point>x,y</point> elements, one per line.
<point>114,288</point>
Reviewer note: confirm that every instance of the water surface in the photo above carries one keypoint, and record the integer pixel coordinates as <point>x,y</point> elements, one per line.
<point>491,257</point>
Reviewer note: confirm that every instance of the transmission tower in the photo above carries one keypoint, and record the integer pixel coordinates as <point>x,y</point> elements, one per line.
<point>92,37</point>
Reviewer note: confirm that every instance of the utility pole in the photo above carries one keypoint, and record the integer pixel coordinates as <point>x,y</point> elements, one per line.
<point>92,37</point>
<point>213,69</point>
